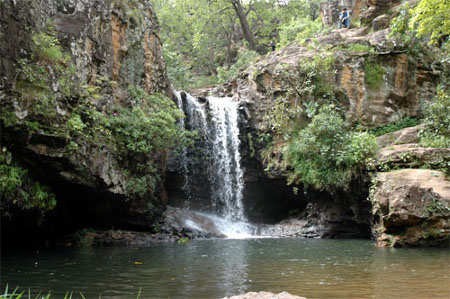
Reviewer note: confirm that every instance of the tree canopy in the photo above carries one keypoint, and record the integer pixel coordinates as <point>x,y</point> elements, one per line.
<point>201,35</point>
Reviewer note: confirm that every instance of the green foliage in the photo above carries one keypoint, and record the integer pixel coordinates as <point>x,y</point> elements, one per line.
<point>47,49</point>
<point>325,155</point>
<point>356,47</point>
<point>147,133</point>
<point>45,76</point>
<point>305,95</point>
<point>398,125</point>
<point>374,74</point>
<point>19,188</point>
<point>245,58</point>
<point>200,36</point>
<point>299,29</point>
<point>427,20</point>
<point>437,207</point>
<point>437,121</point>
<point>183,241</point>
<point>431,18</point>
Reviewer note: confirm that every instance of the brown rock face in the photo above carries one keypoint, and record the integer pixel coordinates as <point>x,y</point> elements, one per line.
<point>404,136</point>
<point>395,95</point>
<point>105,43</point>
<point>413,156</point>
<point>411,208</point>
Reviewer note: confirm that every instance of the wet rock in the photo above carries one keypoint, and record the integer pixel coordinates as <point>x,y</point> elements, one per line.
<point>326,218</point>
<point>411,208</point>
<point>184,222</point>
<point>407,135</point>
<point>265,295</point>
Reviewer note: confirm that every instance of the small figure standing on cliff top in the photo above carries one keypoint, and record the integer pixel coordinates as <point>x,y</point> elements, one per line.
<point>344,19</point>
<point>273,45</point>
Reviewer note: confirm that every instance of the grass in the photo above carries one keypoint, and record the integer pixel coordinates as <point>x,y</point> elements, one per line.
<point>17,294</point>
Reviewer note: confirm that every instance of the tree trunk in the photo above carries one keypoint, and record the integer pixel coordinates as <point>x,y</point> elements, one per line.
<point>237,6</point>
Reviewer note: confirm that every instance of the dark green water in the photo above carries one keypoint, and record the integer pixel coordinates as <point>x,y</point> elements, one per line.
<point>217,268</point>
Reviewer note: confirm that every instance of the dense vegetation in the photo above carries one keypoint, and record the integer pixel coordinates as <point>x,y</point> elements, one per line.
<point>204,39</point>
<point>437,121</point>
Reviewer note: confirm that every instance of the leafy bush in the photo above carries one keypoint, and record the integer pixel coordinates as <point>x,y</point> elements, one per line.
<point>299,30</point>
<point>147,133</point>
<point>245,58</point>
<point>325,156</point>
<point>18,187</point>
<point>437,121</point>
<point>398,125</point>
<point>46,47</point>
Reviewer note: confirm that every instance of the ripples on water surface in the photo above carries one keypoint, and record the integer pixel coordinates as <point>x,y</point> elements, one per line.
<point>217,268</point>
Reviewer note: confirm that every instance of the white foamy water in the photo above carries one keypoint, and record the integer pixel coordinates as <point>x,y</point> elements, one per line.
<point>218,121</point>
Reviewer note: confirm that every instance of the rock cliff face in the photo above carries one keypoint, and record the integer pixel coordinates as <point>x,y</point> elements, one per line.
<point>112,44</point>
<point>112,39</point>
<point>374,80</point>
<point>403,82</point>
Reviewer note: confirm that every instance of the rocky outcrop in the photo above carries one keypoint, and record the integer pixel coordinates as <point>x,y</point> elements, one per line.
<point>396,95</point>
<point>111,45</point>
<point>183,222</point>
<point>265,295</point>
<point>377,8</point>
<point>404,136</point>
<point>411,208</point>
<point>325,218</point>
<point>413,156</point>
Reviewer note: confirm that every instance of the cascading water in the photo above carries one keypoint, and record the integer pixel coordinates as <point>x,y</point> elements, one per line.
<point>216,120</point>
<point>228,179</point>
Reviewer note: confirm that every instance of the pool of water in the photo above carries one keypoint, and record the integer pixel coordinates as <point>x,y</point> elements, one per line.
<point>312,268</point>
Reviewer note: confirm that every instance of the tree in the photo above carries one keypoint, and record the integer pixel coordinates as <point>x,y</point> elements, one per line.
<point>431,18</point>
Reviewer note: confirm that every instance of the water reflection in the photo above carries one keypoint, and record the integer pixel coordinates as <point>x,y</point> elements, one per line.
<point>217,268</point>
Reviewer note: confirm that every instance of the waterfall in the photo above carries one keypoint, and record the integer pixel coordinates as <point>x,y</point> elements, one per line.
<point>214,166</point>
<point>228,182</point>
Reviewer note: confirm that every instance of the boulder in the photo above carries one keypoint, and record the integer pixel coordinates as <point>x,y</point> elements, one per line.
<point>178,221</point>
<point>370,14</point>
<point>265,295</point>
<point>407,135</point>
<point>411,208</point>
<point>381,22</point>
